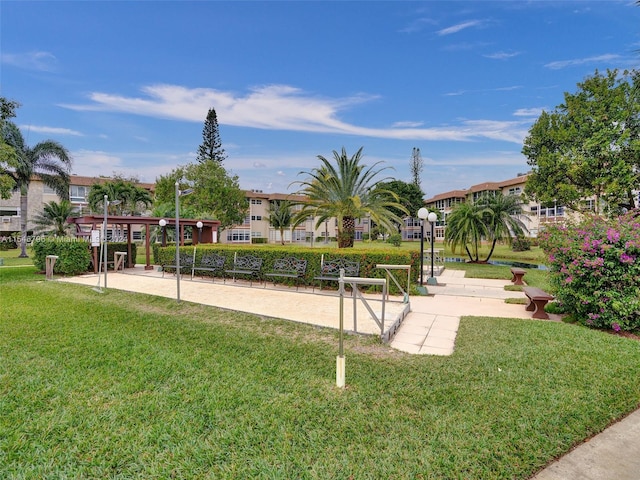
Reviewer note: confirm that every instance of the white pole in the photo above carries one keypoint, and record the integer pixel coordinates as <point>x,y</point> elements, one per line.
<point>340,361</point>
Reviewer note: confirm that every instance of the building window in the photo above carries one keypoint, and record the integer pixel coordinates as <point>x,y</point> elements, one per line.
<point>78,193</point>
<point>256,217</point>
<point>48,190</point>
<point>238,236</point>
<point>256,201</point>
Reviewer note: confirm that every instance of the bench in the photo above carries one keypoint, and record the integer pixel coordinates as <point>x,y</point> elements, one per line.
<point>186,262</point>
<point>517,273</point>
<point>248,265</point>
<point>210,262</point>
<point>330,270</point>
<point>288,267</point>
<point>538,298</point>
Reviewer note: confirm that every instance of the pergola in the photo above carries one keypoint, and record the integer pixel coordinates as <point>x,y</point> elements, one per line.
<point>208,233</point>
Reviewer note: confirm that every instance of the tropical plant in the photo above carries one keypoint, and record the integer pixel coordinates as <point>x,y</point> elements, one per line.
<point>53,219</point>
<point>133,199</point>
<point>8,156</point>
<point>501,216</point>
<point>595,270</point>
<point>347,191</point>
<point>465,228</point>
<point>280,216</point>
<point>48,160</point>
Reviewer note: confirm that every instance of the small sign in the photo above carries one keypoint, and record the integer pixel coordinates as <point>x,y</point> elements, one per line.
<point>95,238</point>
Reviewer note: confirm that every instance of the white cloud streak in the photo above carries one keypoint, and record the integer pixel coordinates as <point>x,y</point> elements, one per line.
<point>282,107</point>
<point>459,27</point>
<point>606,58</point>
<point>50,130</point>
<point>40,61</point>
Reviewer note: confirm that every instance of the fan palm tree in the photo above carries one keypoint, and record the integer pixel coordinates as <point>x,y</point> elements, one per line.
<point>501,215</point>
<point>48,160</point>
<point>132,198</point>
<point>347,192</point>
<point>280,216</point>
<point>466,227</point>
<point>53,219</point>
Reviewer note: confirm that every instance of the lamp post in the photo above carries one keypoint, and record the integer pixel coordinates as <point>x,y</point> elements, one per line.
<point>423,213</point>
<point>432,217</point>
<point>179,193</point>
<point>106,203</point>
<point>199,225</point>
<point>163,223</point>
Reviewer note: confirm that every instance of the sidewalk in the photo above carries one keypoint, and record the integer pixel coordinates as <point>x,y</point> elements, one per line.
<point>430,328</point>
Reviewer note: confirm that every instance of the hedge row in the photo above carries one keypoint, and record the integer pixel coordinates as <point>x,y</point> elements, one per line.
<point>368,259</point>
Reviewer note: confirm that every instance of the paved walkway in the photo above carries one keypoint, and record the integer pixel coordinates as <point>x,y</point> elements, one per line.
<point>430,328</point>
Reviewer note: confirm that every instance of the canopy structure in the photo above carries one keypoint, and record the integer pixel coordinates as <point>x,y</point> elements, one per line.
<point>206,234</point>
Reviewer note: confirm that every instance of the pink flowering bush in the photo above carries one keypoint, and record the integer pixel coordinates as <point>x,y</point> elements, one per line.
<point>595,270</point>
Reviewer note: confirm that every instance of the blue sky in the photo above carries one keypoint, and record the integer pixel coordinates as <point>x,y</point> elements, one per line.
<point>126,85</point>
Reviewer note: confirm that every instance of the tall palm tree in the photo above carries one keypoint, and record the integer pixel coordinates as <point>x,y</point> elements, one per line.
<point>280,216</point>
<point>466,227</point>
<point>133,198</point>
<point>501,215</point>
<point>48,160</point>
<point>347,192</point>
<point>53,219</point>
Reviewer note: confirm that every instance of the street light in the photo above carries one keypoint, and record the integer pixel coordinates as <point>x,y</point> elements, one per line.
<point>432,217</point>
<point>179,193</point>
<point>106,203</point>
<point>163,223</point>
<point>199,225</point>
<point>423,213</point>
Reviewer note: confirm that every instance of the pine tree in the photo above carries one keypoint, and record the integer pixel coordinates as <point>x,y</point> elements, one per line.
<point>211,147</point>
<point>416,166</point>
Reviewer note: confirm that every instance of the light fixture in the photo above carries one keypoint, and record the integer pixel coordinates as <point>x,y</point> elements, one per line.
<point>199,225</point>
<point>432,217</point>
<point>179,193</point>
<point>163,223</point>
<point>106,203</point>
<point>423,213</point>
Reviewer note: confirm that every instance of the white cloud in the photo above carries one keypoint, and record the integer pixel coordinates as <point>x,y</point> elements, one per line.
<point>502,55</point>
<point>460,26</point>
<point>529,112</point>
<point>606,58</point>
<point>407,124</point>
<point>280,107</point>
<point>41,61</point>
<point>50,130</point>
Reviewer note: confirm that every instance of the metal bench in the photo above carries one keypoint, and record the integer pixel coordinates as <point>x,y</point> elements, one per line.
<point>186,262</point>
<point>288,267</point>
<point>517,273</point>
<point>247,265</point>
<point>330,270</point>
<point>538,298</point>
<point>210,262</point>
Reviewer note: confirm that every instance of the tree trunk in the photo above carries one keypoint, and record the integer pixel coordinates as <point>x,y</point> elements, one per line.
<point>23,223</point>
<point>493,246</point>
<point>346,236</point>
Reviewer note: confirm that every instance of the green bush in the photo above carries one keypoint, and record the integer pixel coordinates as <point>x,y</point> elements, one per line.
<point>73,254</point>
<point>395,239</point>
<point>368,259</point>
<point>595,270</point>
<point>521,244</point>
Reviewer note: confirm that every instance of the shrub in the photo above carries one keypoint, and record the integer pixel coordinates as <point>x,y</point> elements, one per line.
<point>395,239</point>
<point>595,270</point>
<point>73,254</point>
<point>521,244</point>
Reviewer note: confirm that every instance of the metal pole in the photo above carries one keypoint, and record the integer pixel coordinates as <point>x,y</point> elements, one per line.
<point>432,249</point>
<point>340,363</point>
<point>104,238</point>
<point>421,252</point>
<point>177,242</point>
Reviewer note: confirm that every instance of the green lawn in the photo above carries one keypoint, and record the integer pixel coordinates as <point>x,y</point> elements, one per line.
<point>121,385</point>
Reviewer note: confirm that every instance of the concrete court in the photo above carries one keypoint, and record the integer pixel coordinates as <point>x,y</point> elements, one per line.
<point>430,328</point>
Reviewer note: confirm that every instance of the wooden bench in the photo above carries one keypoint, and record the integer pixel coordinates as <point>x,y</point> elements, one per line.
<point>330,270</point>
<point>186,262</point>
<point>538,298</point>
<point>248,265</point>
<point>288,267</point>
<point>517,273</point>
<point>210,262</point>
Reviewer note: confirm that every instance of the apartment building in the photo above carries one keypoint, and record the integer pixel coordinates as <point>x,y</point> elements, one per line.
<point>39,194</point>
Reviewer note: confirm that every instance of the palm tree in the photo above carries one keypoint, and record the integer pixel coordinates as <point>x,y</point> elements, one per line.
<point>466,227</point>
<point>132,198</point>
<point>280,216</point>
<point>53,219</point>
<point>347,192</point>
<point>501,216</point>
<point>48,160</point>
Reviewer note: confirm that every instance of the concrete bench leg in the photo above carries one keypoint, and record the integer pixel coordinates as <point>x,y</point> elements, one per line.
<point>517,279</point>
<point>537,307</point>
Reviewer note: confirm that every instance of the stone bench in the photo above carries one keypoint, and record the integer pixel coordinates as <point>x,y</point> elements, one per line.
<point>517,273</point>
<point>538,298</point>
